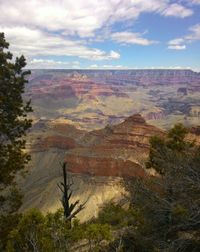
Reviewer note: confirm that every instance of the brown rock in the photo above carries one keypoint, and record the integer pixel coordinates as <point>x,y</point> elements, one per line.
<point>119,150</point>
<point>102,166</point>
<point>55,141</point>
<point>137,119</point>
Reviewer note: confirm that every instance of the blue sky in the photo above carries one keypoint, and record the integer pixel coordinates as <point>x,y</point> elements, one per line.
<point>108,34</point>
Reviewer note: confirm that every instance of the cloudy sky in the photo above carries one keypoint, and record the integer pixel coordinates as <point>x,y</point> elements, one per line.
<point>103,33</point>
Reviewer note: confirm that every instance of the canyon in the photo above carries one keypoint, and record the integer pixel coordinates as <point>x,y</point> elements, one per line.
<point>91,99</point>
<point>100,123</point>
<point>97,161</point>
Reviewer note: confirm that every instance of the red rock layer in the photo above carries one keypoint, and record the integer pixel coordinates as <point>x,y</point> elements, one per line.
<point>65,87</point>
<point>55,141</point>
<point>101,166</point>
<point>118,150</point>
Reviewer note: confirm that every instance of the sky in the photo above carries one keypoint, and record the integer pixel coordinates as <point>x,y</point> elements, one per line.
<point>103,34</point>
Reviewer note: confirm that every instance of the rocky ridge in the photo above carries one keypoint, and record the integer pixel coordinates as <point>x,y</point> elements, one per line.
<point>118,150</point>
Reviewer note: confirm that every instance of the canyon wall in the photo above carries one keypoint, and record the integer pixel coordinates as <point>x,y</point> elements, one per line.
<point>97,161</point>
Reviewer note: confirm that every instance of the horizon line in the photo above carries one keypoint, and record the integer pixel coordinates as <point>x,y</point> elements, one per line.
<point>115,69</point>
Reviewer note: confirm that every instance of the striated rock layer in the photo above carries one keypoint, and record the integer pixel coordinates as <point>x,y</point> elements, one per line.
<point>118,150</point>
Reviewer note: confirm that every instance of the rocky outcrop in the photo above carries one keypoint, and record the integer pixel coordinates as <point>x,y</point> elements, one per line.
<point>155,115</point>
<point>195,111</point>
<point>103,166</point>
<point>66,130</point>
<point>182,91</point>
<point>118,150</point>
<point>194,135</point>
<point>195,131</point>
<point>136,119</point>
<point>56,141</point>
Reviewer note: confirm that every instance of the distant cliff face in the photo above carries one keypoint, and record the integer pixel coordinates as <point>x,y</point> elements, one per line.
<point>69,87</point>
<point>91,99</point>
<point>148,77</point>
<point>67,84</point>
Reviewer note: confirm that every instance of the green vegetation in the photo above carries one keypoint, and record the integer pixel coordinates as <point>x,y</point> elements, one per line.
<point>37,232</point>
<point>13,127</point>
<point>170,202</point>
<point>13,114</point>
<point>118,216</point>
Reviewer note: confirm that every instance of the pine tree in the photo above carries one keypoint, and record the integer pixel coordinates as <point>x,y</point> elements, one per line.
<point>13,114</point>
<point>169,202</point>
<point>14,124</point>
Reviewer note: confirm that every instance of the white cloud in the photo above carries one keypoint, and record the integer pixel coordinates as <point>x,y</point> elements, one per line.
<point>33,43</point>
<point>177,41</point>
<point>169,67</point>
<point>81,17</point>
<point>177,47</point>
<point>114,55</point>
<point>47,64</point>
<point>131,38</point>
<point>39,28</point>
<point>194,1</point>
<point>76,62</point>
<point>52,64</point>
<point>109,66</point>
<point>180,43</point>
<point>101,55</point>
<point>177,44</point>
<point>67,16</point>
<point>195,33</point>
<point>113,67</point>
<point>139,68</point>
<point>177,10</point>
<point>93,66</point>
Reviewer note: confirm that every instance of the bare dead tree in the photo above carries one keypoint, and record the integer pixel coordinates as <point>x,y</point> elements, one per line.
<point>70,209</point>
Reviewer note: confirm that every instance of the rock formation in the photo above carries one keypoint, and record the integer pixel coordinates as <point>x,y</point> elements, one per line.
<point>97,160</point>
<point>119,150</point>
